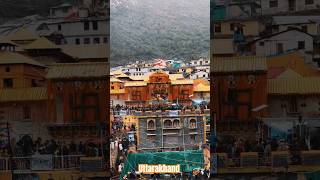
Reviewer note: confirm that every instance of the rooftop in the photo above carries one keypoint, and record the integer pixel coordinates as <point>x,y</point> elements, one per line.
<point>41,43</point>
<point>76,70</point>
<point>7,57</point>
<point>239,64</point>
<point>304,85</point>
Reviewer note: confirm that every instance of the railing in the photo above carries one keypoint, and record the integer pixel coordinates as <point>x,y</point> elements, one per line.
<point>56,163</point>
<point>277,159</point>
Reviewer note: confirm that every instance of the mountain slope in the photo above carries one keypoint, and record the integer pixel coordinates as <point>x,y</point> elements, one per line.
<point>147,29</point>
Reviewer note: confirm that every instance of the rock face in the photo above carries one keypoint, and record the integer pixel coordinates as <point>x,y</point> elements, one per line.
<point>144,29</point>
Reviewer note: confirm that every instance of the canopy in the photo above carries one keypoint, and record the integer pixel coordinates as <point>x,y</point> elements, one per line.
<point>188,160</point>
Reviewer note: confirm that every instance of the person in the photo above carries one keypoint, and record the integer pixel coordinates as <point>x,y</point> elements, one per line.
<point>120,167</point>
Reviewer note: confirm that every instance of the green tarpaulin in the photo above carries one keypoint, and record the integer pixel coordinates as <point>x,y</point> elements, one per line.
<point>312,175</point>
<point>188,160</point>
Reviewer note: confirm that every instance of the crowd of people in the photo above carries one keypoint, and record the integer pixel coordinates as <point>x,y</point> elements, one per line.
<point>26,146</point>
<point>235,146</point>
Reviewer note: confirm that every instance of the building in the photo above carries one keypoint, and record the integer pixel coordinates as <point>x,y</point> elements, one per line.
<point>283,42</point>
<point>239,85</point>
<point>158,89</point>
<point>200,62</point>
<point>170,132</point>
<point>78,94</point>
<point>23,95</point>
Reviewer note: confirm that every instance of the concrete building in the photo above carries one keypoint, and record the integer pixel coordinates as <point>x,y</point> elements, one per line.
<point>283,42</point>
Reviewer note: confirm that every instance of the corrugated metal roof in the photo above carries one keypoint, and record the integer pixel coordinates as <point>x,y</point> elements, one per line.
<point>185,81</point>
<point>174,77</point>
<point>289,73</point>
<point>75,70</point>
<point>41,43</point>
<point>117,91</point>
<point>7,57</point>
<point>23,94</point>
<point>91,51</point>
<point>135,83</point>
<point>239,64</point>
<point>201,88</point>
<point>115,80</point>
<point>283,20</point>
<point>294,61</point>
<point>23,34</point>
<point>305,85</point>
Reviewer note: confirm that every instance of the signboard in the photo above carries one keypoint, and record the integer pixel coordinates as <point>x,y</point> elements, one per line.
<point>41,162</point>
<point>173,113</point>
<point>159,169</point>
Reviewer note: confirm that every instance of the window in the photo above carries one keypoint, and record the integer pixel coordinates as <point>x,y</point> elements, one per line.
<point>59,27</point>
<point>94,25</point>
<point>77,41</point>
<point>86,41</point>
<point>304,28</point>
<point>307,2</point>
<point>26,113</point>
<point>301,45</point>
<point>261,43</point>
<point>112,87</point>
<point>184,94</point>
<point>192,124</point>
<point>273,3</point>
<point>151,125</point>
<point>7,83</point>
<point>96,41</point>
<point>136,96</point>
<point>7,69</point>
<point>105,40</point>
<point>167,123</point>
<point>176,123</point>
<point>86,25</point>
<point>279,48</point>
<point>217,28</point>
<point>34,83</point>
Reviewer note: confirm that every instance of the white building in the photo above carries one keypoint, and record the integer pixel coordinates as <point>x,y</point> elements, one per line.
<point>308,24</point>
<point>248,8</point>
<point>82,30</point>
<point>200,62</point>
<point>282,42</point>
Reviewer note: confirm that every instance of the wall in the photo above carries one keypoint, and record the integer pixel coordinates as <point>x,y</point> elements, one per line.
<point>170,140</point>
<point>71,93</point>
<point>35,127</point>
<point>22,75</point>
<point>312,108</point>
<point>252,96</point>
<point>289,40</point>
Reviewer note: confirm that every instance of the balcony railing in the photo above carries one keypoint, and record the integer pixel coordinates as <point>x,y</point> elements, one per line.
<point>67,162</point>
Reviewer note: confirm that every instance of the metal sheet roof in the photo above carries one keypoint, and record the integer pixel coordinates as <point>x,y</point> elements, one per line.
<point>7,57</point>
<point>304,85</point>
<point>239,64</point>
<point>78,70</point>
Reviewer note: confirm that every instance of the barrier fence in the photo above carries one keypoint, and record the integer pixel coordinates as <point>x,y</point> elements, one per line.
<point>274,160</point>
<point>49,162</point>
